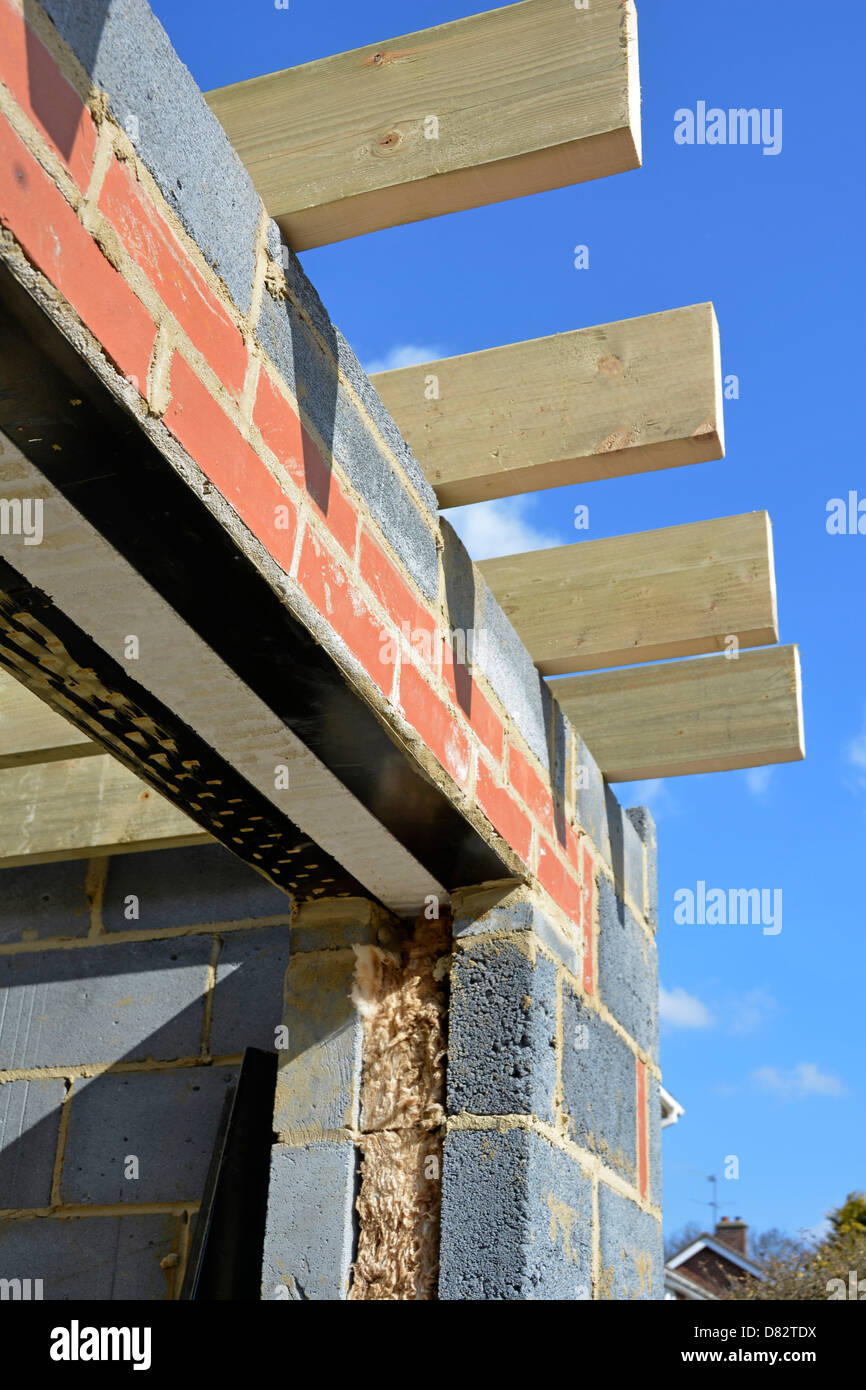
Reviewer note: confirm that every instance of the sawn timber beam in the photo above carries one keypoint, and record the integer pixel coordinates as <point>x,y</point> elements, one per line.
<point>601,402</point>
<point>679,591</point>
<point>534,96</point>
<point>82,807</point>
<point>710,714</point>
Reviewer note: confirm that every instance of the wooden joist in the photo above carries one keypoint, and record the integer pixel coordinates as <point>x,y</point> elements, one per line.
<point>679,591</point>
<point>705,715</point>
<point>534,96</point>
<point>599,402</point>
<point>81,807</point>
<point>710,714</point>
<point>31,731</point>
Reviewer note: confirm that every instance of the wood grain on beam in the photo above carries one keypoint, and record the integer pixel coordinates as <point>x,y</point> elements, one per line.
<point>680,591</point>
<point>600,402</point>
<point>534,96</point>
<point>82,807</point>
<point>705,715</point>
<point>31,731</point>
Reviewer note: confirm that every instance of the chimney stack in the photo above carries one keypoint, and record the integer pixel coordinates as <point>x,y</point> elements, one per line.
<point>734,1233</point>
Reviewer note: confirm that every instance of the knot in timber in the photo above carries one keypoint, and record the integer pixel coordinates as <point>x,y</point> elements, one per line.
<point>391,141</point>
<point>611,365</point>
<point>383,56</point>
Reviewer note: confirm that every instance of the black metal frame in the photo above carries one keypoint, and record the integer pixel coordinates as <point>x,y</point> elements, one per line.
<point>110,470</point>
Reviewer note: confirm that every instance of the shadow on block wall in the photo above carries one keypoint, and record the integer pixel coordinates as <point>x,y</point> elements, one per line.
<point>101,1175</point>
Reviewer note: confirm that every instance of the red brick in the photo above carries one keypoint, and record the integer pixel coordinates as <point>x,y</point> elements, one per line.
<point>641,1128</point>
<point>530,787</point>
<point>208,435</point>
<point>468,698</point>
<point>284,434</point>
<point>572,848</point>
<point>501,809</point>
<point>554,875</point>
<point>433,720</point>
<point>337,599</point>
<point>397,599</point>
<point>40,89</point>
<point>150,243</point>
<point>56,242</point>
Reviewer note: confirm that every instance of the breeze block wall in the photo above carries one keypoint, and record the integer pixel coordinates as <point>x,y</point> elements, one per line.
<point>130,988</point>
<point>552,1181</point>
<point>130,220</point>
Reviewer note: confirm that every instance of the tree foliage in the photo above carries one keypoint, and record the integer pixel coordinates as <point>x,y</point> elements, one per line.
<point>850,1218</point>
<point>814,1269</point>
<point>804,1267</point>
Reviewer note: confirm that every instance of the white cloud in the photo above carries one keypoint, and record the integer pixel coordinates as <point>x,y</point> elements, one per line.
<point>653,793</point>
<point>403,355</point>
<point>748,1011</point>
<point>857,751</point>
<point>758,779</point>
<point>678,1009</point>
<point>796,1083</point>
<point>855,756</point>
<point>501,527</point>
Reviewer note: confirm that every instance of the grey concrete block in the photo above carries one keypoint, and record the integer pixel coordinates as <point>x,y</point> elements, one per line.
<point>480,914</point>
<point>91,1257</point>
<point>500,654</point>
<point>632,1262</point>
<point>464,594</point>
<point>626,854</point>
<point>338,936</point>
<point>306,295</point>
<point>124,47</point>
<point>309,1233</point>
<point>29,1121</point>
<point>166,1120</point>
<point>306,368</point>
<point>312,376</point>
<point>129,1001</point>
<point>298,281</point>
<point>404,527</point>
<point>183,887</point>
<point>248,997</point>
<point>516,1219</point>
<point>333,924</point>
<point>592,799</point>
<point>387,427</point>
<point>513,675</point>
<point>599,1087</point>
<point>501,1031</point>
<point>655,1140</point>
<point>627,969</point>
<point>318,1082</point>
<point>39,900</point>
<point>559,743</point>
<point>277,331</point>
<point>642,819</point>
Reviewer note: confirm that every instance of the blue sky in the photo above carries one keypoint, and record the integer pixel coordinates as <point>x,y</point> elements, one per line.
<point>763,1034</point>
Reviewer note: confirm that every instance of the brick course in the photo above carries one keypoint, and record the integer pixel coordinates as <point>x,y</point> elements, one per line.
<point>187,290</point>
<point>151,210</point>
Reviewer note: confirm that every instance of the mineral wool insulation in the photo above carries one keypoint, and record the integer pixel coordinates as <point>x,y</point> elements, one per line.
<point>402,1002</point>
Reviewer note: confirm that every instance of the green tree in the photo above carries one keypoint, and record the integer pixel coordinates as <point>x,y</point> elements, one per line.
<point>850,1218</point>
<point>810,1269</point>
